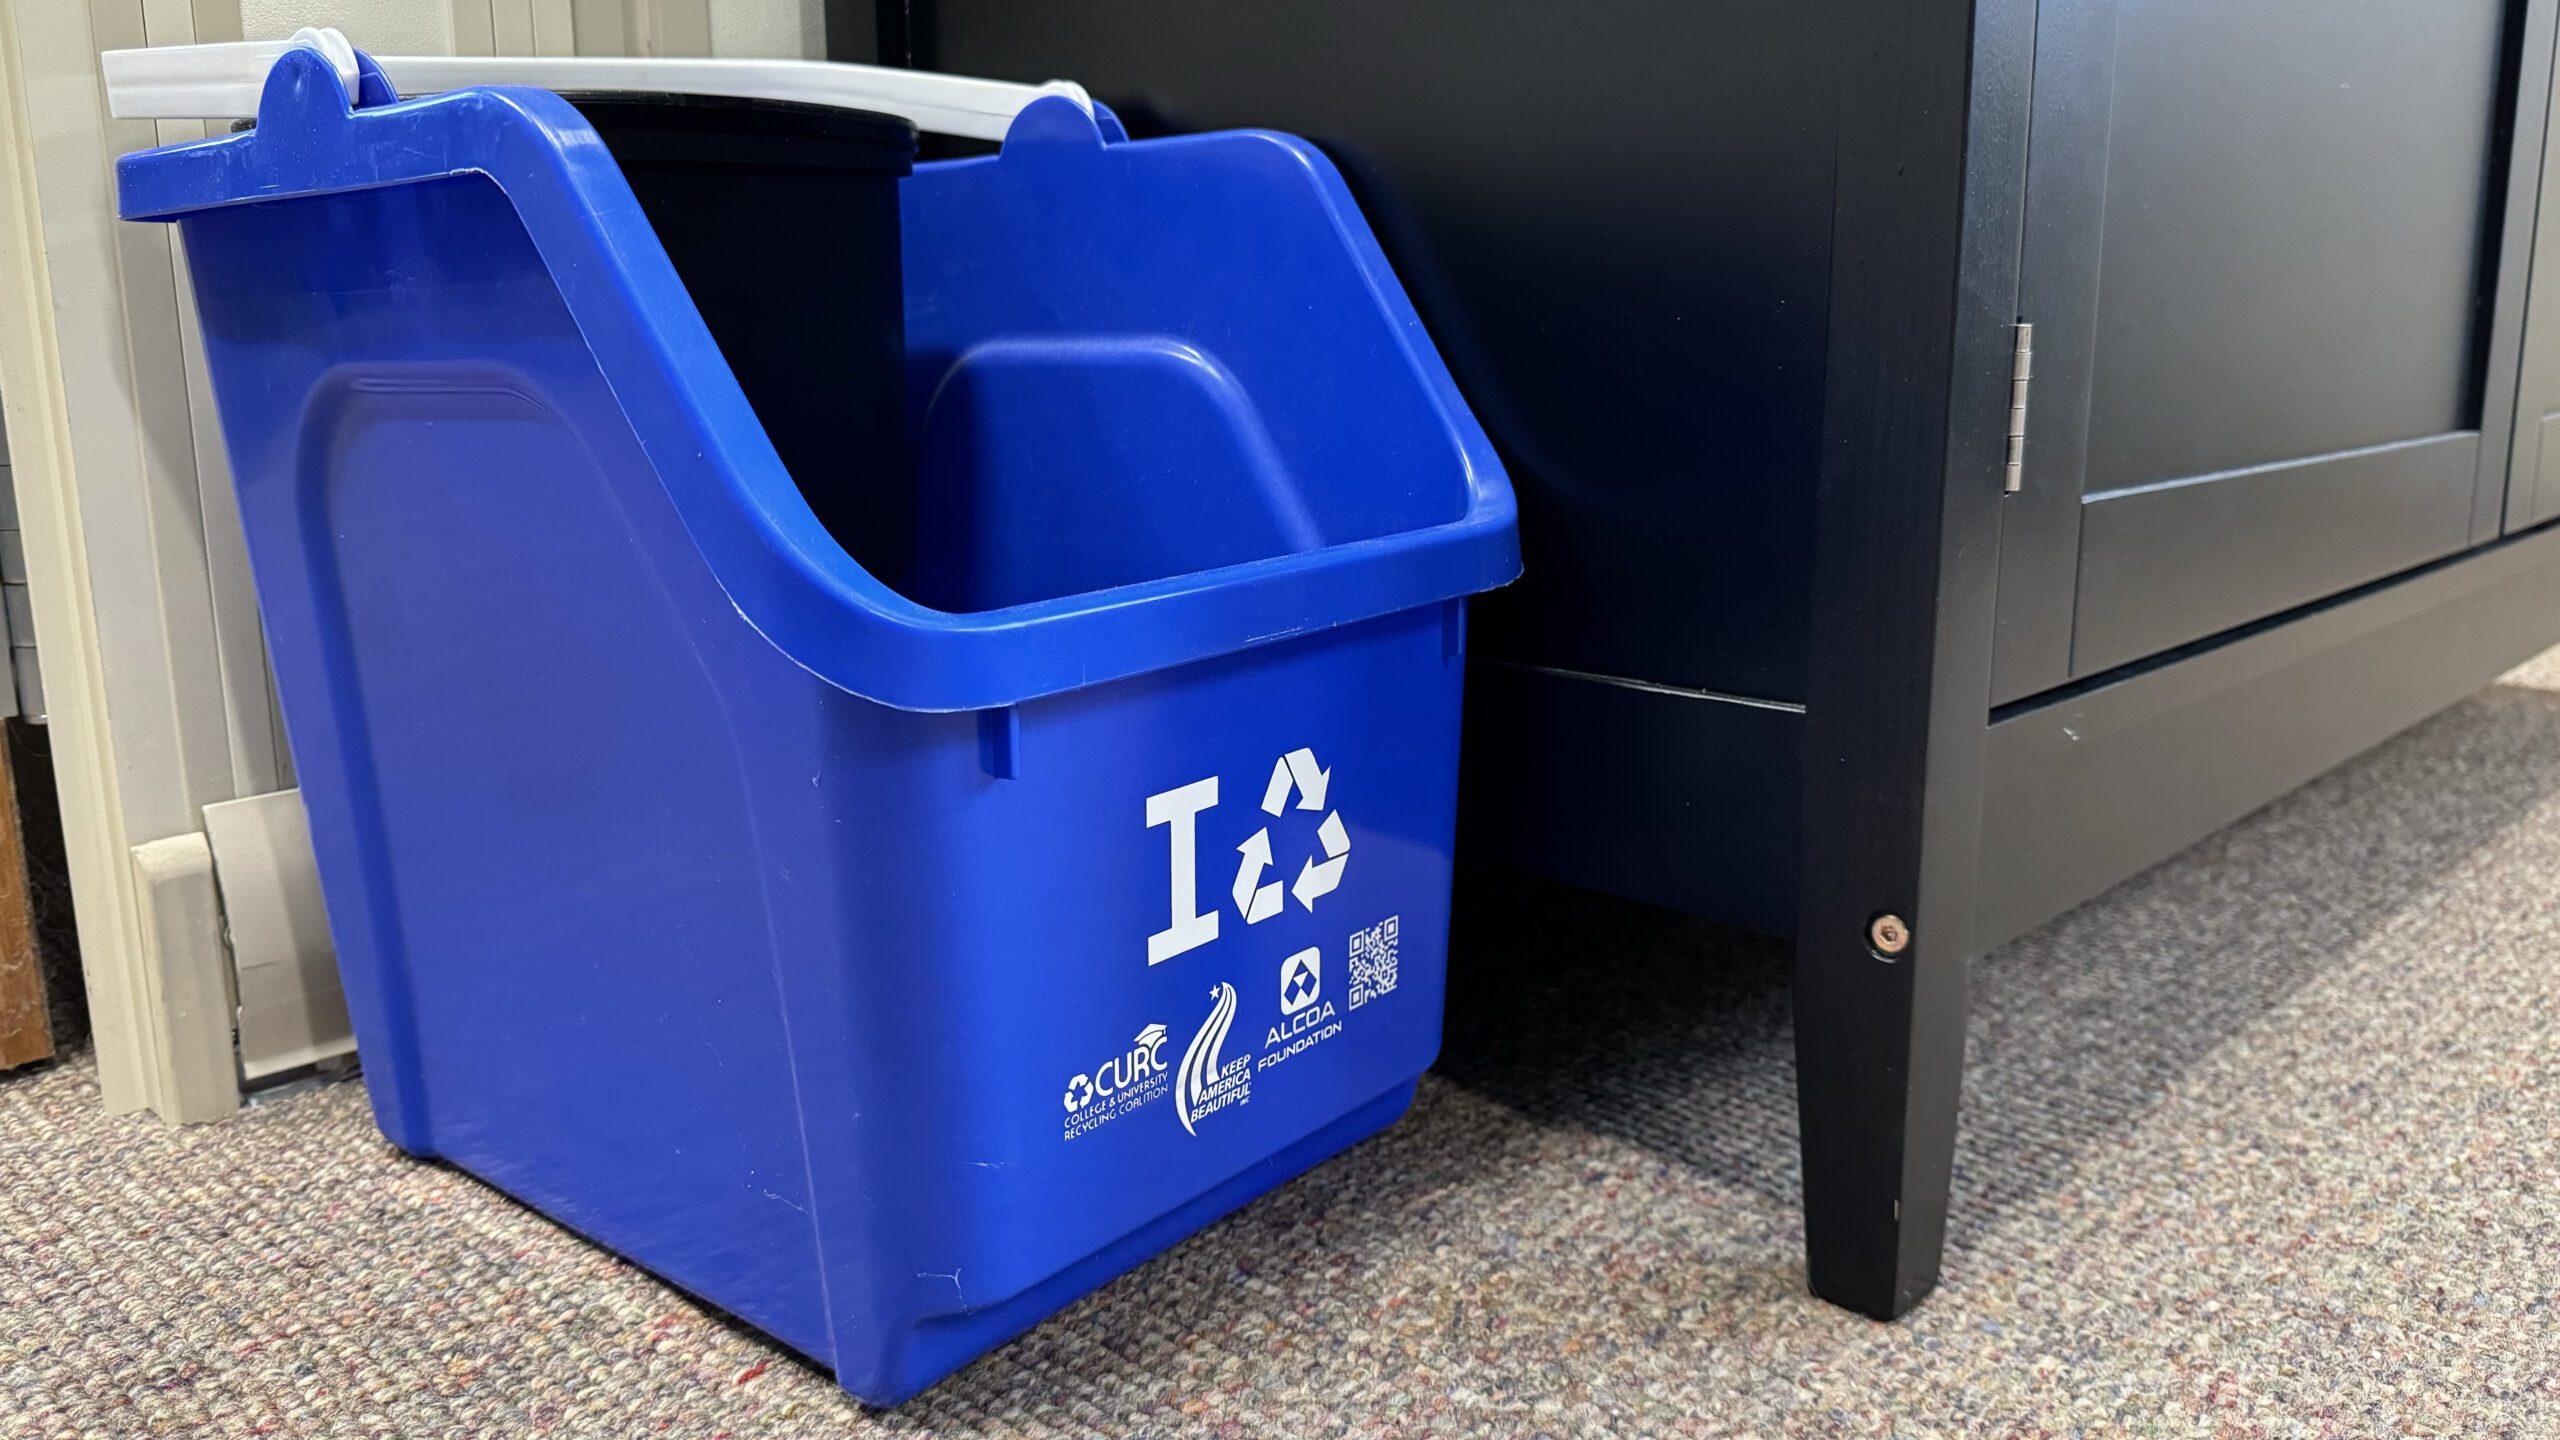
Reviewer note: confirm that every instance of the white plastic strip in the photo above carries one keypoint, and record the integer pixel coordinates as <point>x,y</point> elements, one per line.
<point>207,82</point>
<point>940,104</point>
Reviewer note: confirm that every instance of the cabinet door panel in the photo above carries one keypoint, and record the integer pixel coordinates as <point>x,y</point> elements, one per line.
<point>2533,475</point>
<point>2292,231</point>
<point>2263,246</point>
<point>2533,493</point>
<point>2161,566</point>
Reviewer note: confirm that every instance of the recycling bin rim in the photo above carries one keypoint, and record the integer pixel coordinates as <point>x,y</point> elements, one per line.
<point>785,574</point>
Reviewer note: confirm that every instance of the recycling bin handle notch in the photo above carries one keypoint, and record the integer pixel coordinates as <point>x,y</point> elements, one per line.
<point>224,81</point>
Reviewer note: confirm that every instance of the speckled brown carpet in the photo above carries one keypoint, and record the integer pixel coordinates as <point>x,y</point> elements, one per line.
<point>2260,1144</point>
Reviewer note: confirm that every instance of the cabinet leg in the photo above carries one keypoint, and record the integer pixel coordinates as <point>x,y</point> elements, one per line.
<point>1879,1066</point>
<point>1930,180</point>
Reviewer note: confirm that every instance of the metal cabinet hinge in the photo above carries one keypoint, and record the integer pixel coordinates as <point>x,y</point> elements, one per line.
<point>2022,366</point>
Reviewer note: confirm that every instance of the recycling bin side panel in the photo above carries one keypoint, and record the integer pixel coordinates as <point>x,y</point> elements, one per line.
<point>519,703</point>
<point>1121,949</point>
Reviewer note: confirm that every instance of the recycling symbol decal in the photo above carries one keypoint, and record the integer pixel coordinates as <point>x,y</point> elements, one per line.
<point>1257,900</point>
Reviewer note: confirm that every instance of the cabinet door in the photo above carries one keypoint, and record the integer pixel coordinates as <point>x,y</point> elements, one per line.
<point>2266,248</point>
<point>2533,473</point>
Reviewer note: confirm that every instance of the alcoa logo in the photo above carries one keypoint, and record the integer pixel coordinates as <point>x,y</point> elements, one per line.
<point>1256,899</point>
<point>1300,981</point>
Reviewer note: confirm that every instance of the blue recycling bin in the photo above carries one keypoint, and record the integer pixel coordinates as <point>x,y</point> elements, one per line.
<point>887,972</point>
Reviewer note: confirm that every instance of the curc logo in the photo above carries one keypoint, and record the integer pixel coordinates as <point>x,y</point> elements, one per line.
<point>1257,899</point>
<point>1121,1073</point>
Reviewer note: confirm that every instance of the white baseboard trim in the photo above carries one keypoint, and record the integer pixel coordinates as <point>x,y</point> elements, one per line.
<point>186,977</point>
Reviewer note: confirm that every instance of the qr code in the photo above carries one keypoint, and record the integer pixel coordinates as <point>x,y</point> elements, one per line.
<point>1373,960</point>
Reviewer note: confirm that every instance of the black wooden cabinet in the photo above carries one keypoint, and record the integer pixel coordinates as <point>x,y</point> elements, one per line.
<point>1737,288</point>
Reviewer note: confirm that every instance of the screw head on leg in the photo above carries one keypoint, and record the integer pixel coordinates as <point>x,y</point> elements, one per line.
<point>1888,936</point>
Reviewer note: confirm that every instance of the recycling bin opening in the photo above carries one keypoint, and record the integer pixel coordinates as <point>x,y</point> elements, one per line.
<point>781,220</point>
<point>996,463</point>
<point>886,938</point>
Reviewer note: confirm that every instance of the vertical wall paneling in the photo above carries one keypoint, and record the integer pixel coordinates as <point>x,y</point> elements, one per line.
<point>239,650</point>
<point>554,28</point>
<point>511,27</point>
<point>217,21</point>
<point>601,27</point>
<point>161,640</point>
<point>679,27</point>
<point>474,27</point>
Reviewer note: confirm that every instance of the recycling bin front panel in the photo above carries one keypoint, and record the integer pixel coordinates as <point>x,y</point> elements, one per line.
<point>1204,917</point>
